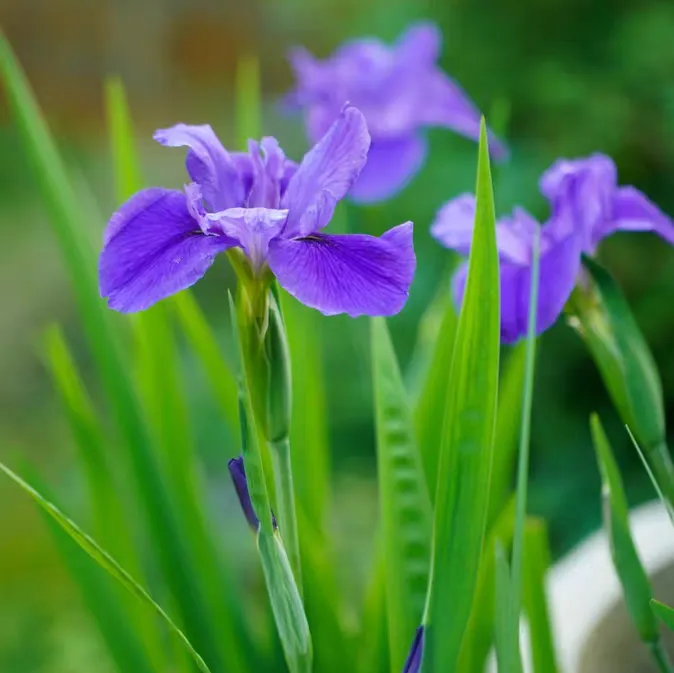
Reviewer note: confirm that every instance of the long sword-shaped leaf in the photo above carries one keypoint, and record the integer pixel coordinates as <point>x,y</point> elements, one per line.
<point>71,234</point>
<point>536,564</point>
<point>631,573</point>
<point>507,649</point>
<point>462,493</point>
<point>404,505</point>
<point>103,559</point>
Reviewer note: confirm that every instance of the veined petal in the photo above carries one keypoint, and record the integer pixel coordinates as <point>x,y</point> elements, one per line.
<point>633,211</point>
<point>253,228</point>
<point>326,174</point>
<point>354,274</point>
<point>559,267</point>
<point>391,164</point>
<point>208,163</point>
<point>153,248</point>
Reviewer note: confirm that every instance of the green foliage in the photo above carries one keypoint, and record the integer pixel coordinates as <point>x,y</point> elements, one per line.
<point>464,466</point>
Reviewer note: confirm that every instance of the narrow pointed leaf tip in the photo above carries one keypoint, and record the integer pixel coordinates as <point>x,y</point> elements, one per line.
<point>104,560</point>
<point>463,474</point>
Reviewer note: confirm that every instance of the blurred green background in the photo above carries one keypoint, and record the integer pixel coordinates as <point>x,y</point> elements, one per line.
<point>575,76</point>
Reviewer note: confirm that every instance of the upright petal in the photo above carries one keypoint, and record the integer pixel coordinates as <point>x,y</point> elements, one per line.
<point>391,164</point>
<point>326,174</point>
<point>559,267</point>
<point>153,248</point>
<point>208,163</point>
<point>354,274</point>
<point>421,43</point>
<point>632,211</point>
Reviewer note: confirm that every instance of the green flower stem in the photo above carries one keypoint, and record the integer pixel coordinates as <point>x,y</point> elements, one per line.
<point>285,496</point>
<point>660,657</point>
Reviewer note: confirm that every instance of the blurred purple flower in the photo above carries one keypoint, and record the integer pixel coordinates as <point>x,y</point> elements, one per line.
<point>400,89</point>
<point>162,241</point>
<point>413,663</point>
<point>587,205</point>
<point>237,472</point>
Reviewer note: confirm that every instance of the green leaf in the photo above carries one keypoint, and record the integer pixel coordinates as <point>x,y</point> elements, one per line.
<point>664,613</point>
<point>536,564</point>
<point>606,324</point>
<point>432,401</point>
<point>291,622</point>
<point>508,423</point>
<point>522,486</point>
<point>128,179</point>
<point>104,560</point>
<point>630,571</point>
<point>463,474</point>
<point>507,648</point>
<point>477,642</point>
<point>404,504</point>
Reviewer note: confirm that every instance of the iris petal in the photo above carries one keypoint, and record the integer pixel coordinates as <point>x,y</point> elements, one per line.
<point>207,162</point>
<point>154,248</point>
<point>326,174</point>
<point>354,274</point>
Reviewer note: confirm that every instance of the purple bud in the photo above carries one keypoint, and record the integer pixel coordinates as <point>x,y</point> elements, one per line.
<point>238,474</point>
<point>413,663</point>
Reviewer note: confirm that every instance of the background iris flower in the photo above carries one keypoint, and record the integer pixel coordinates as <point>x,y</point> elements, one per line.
<point>162,241</point>
<point>587,205</point>
<point>400,89</point>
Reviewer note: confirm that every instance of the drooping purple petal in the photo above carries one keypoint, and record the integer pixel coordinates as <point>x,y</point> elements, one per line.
<point>559,265</point>
<point>413,663</point>
<point>391,164</point>
<point>444,103</point>
<point>207,162</point>
<point>633,211</point>
<point>354,274</point>
<point>453,227</point>
<point>326,174</point>
<point>253,228</point>
<point>154,248</point>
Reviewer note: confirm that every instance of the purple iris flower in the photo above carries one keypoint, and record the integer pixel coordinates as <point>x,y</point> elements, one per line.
<point>413,663</point>
<point>586,205</point>
<point>162,241</point>
<point>238,474</point>
<point>400,89</point>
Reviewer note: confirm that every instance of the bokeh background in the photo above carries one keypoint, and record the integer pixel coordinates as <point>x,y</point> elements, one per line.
<point>569,77</point>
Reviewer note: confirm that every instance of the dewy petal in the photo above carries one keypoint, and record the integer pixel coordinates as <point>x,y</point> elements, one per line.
<point>391,164</point>
<point>559,267</point>
<point>326,174</point>
<point>354,274</point>
<point>153,248</point>
<point>633,211</point>
<point>453,228</point>
<point>207,162</point>
<point>253,228</point>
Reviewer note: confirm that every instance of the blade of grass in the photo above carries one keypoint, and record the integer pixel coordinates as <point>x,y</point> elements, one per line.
<point>110,517</point>
<point>166,409</point>
<point>632,575</point>
<point>432,398</point>
<point>70,232</point>
<point>507,649</point>
<point>478,640</point>
<point>463,477</point>
<point>522,487</point>
<point>536,564</point>
<point>103,559</point>
<point>114,618</point>
<point>404,504</point>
